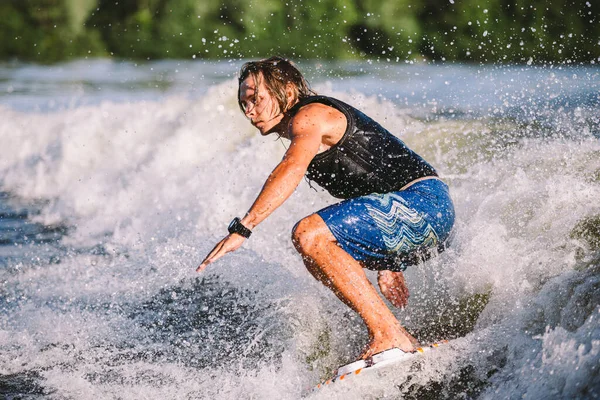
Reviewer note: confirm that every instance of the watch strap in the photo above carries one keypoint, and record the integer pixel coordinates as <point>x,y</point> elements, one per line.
<point>236,226</point>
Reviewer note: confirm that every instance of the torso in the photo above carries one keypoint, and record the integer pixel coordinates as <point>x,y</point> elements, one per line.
<point>356,155</point>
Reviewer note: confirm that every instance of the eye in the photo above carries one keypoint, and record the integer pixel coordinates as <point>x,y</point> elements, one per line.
<point>250,103</point>
<point>246,104</point>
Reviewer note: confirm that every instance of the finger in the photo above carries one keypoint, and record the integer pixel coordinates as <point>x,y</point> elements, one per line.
<point>210,257</point>
<point>396,302</point>
<point>403,289</point>
<point>400,303</point>
<point>204,264</point>
<point>202,267</point>
<point>401,300</point>
<point>208,260</point>
<point>395,296</point>
<point>220,252</point>
<point>390,294</point>
<point>215,250</point>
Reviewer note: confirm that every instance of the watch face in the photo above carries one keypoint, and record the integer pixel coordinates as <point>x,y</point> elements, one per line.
<point>234,225</point>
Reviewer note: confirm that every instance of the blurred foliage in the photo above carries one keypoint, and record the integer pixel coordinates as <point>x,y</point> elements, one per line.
<point>465,30</point>
<point>511,30</point>
<point>47,30</point>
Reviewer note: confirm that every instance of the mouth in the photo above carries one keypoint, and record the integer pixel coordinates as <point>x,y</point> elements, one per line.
<point>260,121</point>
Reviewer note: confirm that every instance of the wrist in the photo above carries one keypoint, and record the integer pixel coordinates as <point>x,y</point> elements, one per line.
<point>248,222</point>
<point>236,226</point>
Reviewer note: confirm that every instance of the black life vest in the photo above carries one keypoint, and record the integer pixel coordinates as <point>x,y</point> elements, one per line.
<point>367,159</point>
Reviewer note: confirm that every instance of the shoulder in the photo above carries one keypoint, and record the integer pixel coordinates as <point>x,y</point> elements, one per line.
<point>318,118</point>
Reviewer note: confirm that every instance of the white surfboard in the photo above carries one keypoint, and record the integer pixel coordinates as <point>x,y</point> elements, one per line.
<point>378,361</point>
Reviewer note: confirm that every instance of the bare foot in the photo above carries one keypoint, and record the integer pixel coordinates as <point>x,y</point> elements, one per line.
<point>406,343</point>
<point>414,341</point>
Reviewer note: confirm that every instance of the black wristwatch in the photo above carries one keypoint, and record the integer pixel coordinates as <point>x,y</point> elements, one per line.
<point>236,227</point>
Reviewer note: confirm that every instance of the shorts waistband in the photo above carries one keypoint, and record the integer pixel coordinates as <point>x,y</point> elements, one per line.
<point>419,180</point>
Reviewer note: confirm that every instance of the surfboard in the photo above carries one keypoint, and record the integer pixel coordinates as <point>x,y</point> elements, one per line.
<point>379,361</point>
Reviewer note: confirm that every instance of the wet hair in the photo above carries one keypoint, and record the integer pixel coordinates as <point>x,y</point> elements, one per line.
<point>277,73</point>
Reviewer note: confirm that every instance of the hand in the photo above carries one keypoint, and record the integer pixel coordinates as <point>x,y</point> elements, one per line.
<point>393,287</point>
<point>229,243</point>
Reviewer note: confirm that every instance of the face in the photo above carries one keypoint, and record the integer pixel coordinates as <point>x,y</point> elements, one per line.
<point>260,107</point>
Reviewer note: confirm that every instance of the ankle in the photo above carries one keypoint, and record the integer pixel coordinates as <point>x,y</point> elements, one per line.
<point>387,332</point>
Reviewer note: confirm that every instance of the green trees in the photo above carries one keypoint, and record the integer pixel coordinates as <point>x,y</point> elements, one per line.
<point>464,30</point>
<point>46,30</point>
<point>511,30</point>
<point>223,29</point>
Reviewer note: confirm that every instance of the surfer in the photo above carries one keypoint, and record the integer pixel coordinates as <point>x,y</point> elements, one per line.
<point>395,209</point>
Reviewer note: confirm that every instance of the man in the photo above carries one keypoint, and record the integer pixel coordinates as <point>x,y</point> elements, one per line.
<point>396,209</point>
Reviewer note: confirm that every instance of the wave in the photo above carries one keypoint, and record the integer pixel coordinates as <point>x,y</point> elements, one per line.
<point>113,308</point>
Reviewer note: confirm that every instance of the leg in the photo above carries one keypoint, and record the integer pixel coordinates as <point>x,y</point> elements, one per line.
<point>337,270</point>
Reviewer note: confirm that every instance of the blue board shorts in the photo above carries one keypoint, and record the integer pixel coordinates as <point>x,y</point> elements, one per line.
<point>393,230</point>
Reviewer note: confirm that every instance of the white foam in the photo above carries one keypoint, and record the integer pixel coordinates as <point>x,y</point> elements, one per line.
<point>156,182</point>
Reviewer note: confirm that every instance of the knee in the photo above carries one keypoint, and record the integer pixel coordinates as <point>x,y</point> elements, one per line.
<point>308,233</point>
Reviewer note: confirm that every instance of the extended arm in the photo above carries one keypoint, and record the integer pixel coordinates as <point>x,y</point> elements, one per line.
<point>305,142</point>
<point>283,180</point>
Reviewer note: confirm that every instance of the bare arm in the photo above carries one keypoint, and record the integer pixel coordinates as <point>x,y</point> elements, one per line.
<point>393,287</point>
<point>306,137</point>
<point>284,179</point>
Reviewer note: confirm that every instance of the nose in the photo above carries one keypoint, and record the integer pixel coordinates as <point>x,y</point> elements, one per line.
<point>249,109</point>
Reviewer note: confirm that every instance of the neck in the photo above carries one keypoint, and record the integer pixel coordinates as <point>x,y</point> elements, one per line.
<point>283,126</point>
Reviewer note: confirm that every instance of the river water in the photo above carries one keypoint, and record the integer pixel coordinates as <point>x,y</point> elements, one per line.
<point>117,178</point>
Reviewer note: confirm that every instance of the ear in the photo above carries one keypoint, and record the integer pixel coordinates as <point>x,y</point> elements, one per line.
<point>291,95</point>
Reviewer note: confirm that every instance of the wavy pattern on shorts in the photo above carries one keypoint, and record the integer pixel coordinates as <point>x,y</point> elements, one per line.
<point>402,228</point>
